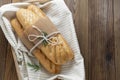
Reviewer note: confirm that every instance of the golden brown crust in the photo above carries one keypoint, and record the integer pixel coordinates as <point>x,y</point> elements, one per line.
<point>63,51</point>
<point>51,57</point>
<point>59,54</point>
<point>26,17</point>
<point>48,65</point>
<point>36,10</point>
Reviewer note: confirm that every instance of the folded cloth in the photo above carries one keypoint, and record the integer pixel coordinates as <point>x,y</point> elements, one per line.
<point>61,16</point>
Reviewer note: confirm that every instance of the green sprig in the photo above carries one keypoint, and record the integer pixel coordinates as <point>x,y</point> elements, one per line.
<point>45,43</point>
<point>34,66</point>
<point>45,33</point>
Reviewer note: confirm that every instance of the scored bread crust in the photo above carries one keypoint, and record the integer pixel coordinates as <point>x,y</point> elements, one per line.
<point>66,53</point>
<point>26,17</point>
<point>51,57</point>
<point>46,63</point>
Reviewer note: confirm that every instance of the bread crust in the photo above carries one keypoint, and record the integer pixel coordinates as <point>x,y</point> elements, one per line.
<point>46,63</point>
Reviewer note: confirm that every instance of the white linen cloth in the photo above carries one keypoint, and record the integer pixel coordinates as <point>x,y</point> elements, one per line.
<point>61,16</point>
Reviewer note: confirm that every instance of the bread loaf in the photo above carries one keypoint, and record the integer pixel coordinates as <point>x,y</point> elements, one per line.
<point>46,63</point>
<point>58,54</point>
<point>50,56</point>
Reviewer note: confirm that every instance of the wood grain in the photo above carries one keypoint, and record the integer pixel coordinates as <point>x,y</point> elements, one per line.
<point>97,24</point>
<point>10,70</point>
<point>101,40</point>
<point>3,53</point>
<point>79,9</point>
<point>3,47</point>
<point>117,37</point>
<point>4,2</point>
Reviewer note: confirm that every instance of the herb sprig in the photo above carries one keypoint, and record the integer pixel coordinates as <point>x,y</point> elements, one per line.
<point>45,43</point>
<point>34,66</point>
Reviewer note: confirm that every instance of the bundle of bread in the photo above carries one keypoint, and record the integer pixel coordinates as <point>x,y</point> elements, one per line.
<point>50,56</point>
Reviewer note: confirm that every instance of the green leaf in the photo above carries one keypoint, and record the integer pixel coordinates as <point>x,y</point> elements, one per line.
<point>34,66</point>
<point>45,33</point>
<point>45,43</point>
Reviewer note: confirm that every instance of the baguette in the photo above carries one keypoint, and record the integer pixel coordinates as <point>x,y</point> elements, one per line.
<point>59,54</point>
<point>67,52</point>
<point>26,17</point>
<point>46,63</point>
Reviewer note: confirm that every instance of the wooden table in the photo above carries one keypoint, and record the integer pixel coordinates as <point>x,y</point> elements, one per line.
<point>97,23</point>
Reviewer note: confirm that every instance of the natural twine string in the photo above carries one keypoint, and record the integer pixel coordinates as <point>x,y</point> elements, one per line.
<point>48,38</point>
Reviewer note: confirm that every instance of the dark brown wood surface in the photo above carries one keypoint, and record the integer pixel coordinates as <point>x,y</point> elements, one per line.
<point>97,24</point>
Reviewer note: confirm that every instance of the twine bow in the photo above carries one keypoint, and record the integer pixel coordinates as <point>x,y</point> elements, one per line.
<point>43,37</point>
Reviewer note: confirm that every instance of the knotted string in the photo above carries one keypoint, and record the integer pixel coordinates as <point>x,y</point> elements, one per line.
<point>48,38</point>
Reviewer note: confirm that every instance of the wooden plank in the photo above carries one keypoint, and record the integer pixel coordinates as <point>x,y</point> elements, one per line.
<point>3,47</point>
<point>7,67</point>
<point>79,9</point>
<point>101,40</point>
<point>10,70</point>
<point>4,2</point>
<point>117,36</point>
<point>3,53</point>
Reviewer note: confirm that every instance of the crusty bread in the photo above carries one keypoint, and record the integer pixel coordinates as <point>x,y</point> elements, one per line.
<point>26,17</point>
<point>66,52</point>
<point>51,57</point>
<point>58,54</point>
<point>46,63</point>
<point>36,10</point>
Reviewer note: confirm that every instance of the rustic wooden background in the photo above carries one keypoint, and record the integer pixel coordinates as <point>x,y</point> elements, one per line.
<point>97,23</point>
